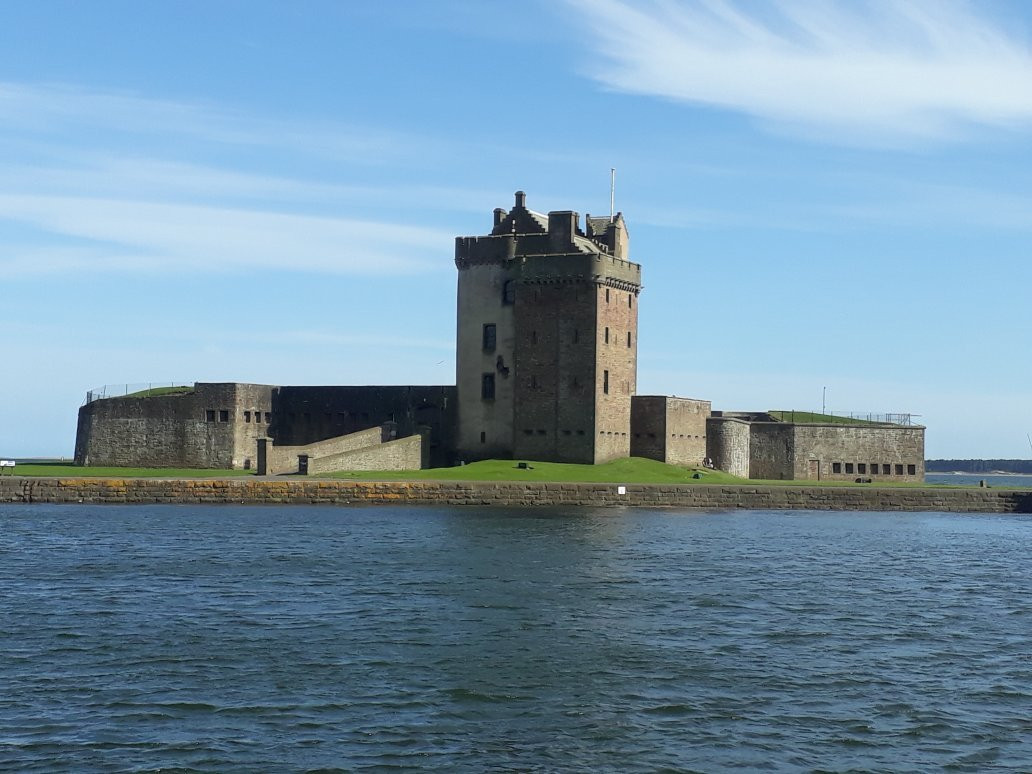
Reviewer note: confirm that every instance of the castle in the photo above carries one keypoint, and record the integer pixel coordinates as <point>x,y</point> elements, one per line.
<point>546,369</point>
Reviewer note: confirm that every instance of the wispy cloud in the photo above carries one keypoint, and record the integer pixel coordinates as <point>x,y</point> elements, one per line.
<point>858,70</point>
<point>146,236</point>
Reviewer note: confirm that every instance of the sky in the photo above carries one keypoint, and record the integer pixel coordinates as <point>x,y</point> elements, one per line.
<point>830,201</point>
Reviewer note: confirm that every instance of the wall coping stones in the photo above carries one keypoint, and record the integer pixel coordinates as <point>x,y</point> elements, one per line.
<point>509,493</point>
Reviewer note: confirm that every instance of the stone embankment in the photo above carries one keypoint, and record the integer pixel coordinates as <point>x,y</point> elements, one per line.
<point>516,494</point>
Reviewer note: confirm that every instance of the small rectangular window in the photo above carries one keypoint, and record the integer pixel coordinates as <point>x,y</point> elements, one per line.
<point>628,338</point>
<point>607,335</point>
<point>899,469</point>
<point>605,382</point>
<point>209,415</point>
<point>268,417</point>
<point>509,292</point>
<point>483,437</point>
<point>490,337</point>
<point>911,470</point>
<point>223,415</point>
<point>886,469</point>
<point>849,467</point>
<point>874,468</point>
<point>487,386</point>
<point>247,417</point>
<point>861,467</point>
<point>836,467</point>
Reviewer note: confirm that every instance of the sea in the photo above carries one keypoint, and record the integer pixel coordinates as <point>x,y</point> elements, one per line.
<point>317,639</point>
<point>1000,480</point>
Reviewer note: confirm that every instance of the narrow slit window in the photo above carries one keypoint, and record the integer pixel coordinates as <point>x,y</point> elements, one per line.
<point>487,386</point>
<point>490,338</point>
<point>607,335</point>
<point>605,382</point>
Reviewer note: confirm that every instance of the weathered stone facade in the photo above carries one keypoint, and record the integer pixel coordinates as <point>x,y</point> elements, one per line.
<point>546,359</point>
<point>669,429</point>
<point>215,425</point>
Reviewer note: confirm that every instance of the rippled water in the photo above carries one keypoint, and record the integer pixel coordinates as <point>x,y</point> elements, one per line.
<point>256,639</point>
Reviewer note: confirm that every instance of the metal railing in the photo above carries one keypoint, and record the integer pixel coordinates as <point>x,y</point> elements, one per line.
<point>123,390</point>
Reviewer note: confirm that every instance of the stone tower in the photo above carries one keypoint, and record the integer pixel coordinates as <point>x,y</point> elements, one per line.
<point>547,349</point>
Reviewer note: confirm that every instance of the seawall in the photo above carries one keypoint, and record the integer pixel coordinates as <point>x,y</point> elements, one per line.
<point>338,492</point>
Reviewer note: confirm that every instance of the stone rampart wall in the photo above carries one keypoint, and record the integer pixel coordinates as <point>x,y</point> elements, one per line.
<point>708,497</point>
<point>283,459</point>
<point>402,454</point>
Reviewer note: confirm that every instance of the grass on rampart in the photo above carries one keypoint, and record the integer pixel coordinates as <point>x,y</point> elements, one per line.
<point>155,392</point>
<point>633,470</point>
<point>65,470</point>
<point>816,418</point>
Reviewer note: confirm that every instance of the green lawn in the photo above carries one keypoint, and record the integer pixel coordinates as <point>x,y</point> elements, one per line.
<point>633,470</point>
<point>66,470</point>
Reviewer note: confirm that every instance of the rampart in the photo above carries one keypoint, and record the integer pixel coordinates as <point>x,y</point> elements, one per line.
<point>512,494</point>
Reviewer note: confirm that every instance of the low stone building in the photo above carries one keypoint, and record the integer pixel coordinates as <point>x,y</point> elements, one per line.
<point>759,445</point>
<point>669,429</point>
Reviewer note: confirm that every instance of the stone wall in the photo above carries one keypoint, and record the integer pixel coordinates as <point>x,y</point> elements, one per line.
<point>727,445</point>
<point>515,494</point>
<point>215,425</point>
<point>848,452</point>
<point>771,451</point>
<point>669,429</point>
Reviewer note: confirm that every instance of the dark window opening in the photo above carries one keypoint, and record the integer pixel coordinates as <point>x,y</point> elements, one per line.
<point>605,382</point>
<point>490,337</point>
<point>628,338</point>
<point>911,470</point>
<point>247,463</point>
<point>247,417</point>
<point>576,383</point>
<point>630,299</point>
<point>861,467</point>
<point>533,337</point>
<point>849,467</point>
<point>899,469</point>
<point>541,432</point>
<point>209,415</point>
<point>607,335</point>
<point>487,386</point>
<point>223,415</point>
<point>257,417</point>
<point>483,437</point>
<point>886,469</point>
<point>580,432</point>
<point>576,335</point>
<point>836,467</point>
<point>874,468</point>
<point>528,431</point>
<point>268,417</point>
<point>509,292</point>
<point>607,295</point>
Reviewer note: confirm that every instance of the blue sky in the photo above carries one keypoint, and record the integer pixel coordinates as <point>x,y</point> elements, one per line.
<point>821,194</point>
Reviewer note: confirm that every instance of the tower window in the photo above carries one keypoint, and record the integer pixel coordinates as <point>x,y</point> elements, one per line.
<point>487,386</point>
<point>247,417</point>
<point>607,335</point>
<point>209,415</point>
<point>576,335</point>
<point>628,338</point>
<point>533,337</point>
<point>607,295</point>
<point>483,437</point>
<point>630,300</point>
<point>509,292</point>
<point>490,337</point>
<point>605,382</point>
<point>223,415</point>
